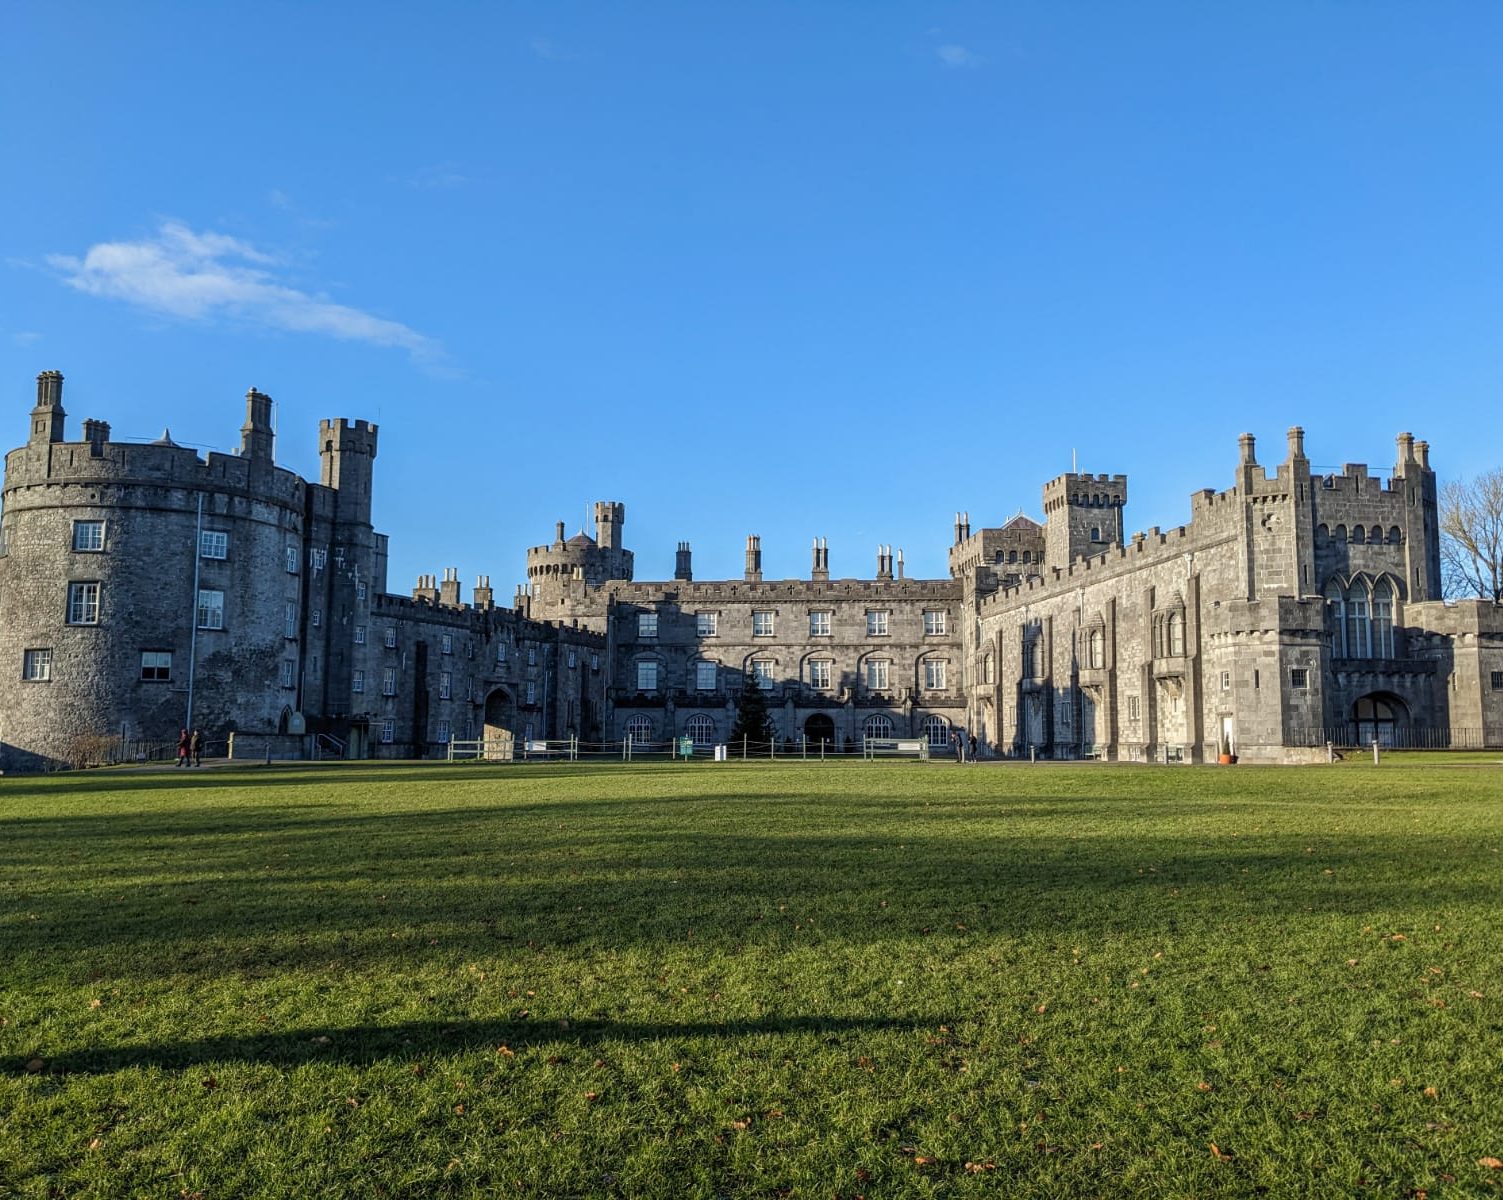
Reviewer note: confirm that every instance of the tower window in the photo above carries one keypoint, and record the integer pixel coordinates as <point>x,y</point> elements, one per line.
<point>83,604</point>
<point>36,665</point>
<point>88,536</point>
<point>214,543</point>
<point>210,609</point>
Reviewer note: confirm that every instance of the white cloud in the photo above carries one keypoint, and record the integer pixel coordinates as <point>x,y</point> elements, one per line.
<point>201,276</point>
<point>954,56</point>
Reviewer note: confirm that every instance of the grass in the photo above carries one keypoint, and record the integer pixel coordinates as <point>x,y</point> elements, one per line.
<point>746,980</point>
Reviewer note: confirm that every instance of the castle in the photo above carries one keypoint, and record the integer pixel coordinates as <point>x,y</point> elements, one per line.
<point>144,588</point>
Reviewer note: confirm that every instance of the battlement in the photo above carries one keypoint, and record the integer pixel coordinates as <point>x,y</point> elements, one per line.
<point>733,591</point>
<point>1085,489</point>
<point>349,435</point>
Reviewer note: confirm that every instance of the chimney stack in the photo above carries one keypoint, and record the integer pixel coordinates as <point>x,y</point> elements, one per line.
<point>1296,443</point>
<point>683,563</point>
<point>485,599</point>
<point>47,418</point>
<point>884,562</point>
<point>820,571</point>
<point>256,436</point>
<point>753,558</point>
<point>448,592</point>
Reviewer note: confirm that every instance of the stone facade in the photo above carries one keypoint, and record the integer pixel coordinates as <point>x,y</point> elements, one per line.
<point>144,586</point>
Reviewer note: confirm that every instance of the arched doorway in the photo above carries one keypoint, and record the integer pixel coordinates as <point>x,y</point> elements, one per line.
<point>820,728</point>
<point>1380,718</point>
<point>500,720</point>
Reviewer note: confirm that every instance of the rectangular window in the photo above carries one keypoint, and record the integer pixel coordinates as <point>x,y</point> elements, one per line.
<point>934,621</point>
<point>1133,710</point>
<point>1299,679</point>
<point>705,676</point>
<point>288,672</point>
<point>292,557</point>
<point>763,668</point>
<point>316,617</point>
<point>762,623</point>
<point>647,625</point>
<point>594,662</point>
<point>388,731</point>
<point>573,660</point>
<point>706,624</point>
<point>532,693</point>
<point>876,674</point>
<point>36,665</point>
<point>317,558</point>
<point>359,635</point>
<point>1226,681</point>
<point>213,543</point>
<point>360,592</point>
<point>88,536</point>
<point>876,624</point>
<point>443,731</point>
<point>934,674</point>
<point>83,604</point>
<point>1497,681</point>
<point>819,623</point>
<point>391,637</point>
<point>819,673</point>
<point>445,685</point>
<point>389,681</point>
<point>647,676</point>
<point>446,643</point>
<point>532,656</point>
<point>210,609</point>
<point>289,620</point>
<point>156,665</point>
<point>500,652</point>
<point>357,682</point>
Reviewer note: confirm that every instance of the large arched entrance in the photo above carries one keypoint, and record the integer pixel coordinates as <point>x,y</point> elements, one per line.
<point>820,728</point>
<point>1381,717</point>
<point>500,721</point>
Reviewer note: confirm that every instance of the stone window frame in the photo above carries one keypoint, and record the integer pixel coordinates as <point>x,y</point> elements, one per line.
<point>36,664</point>
<point>935,669</point>
<point>357,681</point>
<point>156,671</point>
<point>446,685</point>
<point>880,668</point>
<point>764,622</point>
<point>647,675</point>
<point>647,626</point>
<point>821,628</point>
<point>388,731</point>
<point>214,545</point>
<point>446,643</point>
<point>1095,646</point>
<point>707,624</point>
<point>639,729</point>
<point>877,725</point>
<point>442,734</point>
<point>287,674</point>
<point>1496,679</point>
<point>1299,679</point>
<point>89,523</point>
<point>766,677</point>
<point>289,619</point>
<point>389,681</point>
<point>878,622</point>
<point>827,668</point>
<point>84,605</point>
<point>700,724</point>
<point>294,559</point>
<point>701,666</point>
<point>391,637</point>
<point>1169,637</point>
<point>936,622</point>
<point>936,729</point>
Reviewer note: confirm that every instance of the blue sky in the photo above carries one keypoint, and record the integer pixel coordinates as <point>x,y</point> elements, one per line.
<point>793,269</point>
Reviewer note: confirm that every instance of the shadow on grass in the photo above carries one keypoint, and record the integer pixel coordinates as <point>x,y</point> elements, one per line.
<point>363,1045</point>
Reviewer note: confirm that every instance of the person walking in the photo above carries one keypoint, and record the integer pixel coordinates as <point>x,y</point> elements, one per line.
<point>957,745</point>
<point>196,745</point>
<point>184,741</point>
<point>971,747</point>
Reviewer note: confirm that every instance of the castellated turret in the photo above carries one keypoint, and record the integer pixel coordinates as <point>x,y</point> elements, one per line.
<point>559,575</point>
<point>347,454</point>
<point>1082,516</point>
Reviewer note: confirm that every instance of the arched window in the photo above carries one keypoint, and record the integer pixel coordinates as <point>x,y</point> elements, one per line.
<point>1012,556</point>
<point>700,729</point>
<point>1027,557</point>
<point>1096,649</point>
<point>1375,534</point>
<point>1033,658</point>
<point>988,669</point>
<point>1322,534</point>
<point>1176,630</point>
<point>1095,533</point>
<point>878,726</point>
<point>639,729</point>
<point>1395,536</point>
<point>1382,645</point>
<point>1336,618</point>
<point>937,730</point>
<point>1359,535</point>
<point>1358,642</point>
<point>1339,533</point>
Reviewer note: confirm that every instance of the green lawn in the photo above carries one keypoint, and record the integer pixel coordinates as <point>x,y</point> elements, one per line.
<point>894,979</point>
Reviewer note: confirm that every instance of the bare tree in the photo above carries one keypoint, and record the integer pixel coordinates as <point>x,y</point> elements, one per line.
<point>1471,536</point>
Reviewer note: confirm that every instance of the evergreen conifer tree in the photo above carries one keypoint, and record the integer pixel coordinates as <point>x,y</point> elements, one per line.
<point>752,722</point>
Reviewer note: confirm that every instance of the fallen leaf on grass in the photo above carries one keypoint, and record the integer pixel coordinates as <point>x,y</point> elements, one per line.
<point>1219,1154</point>
<point>1491,1163</point>
<point>506,1051</point>
<point>973,1168</point>
<point>96,1003</point>
<point>36,1066</point>
<point>920,1160</point>
<point>1430,1093</point>
<point>210,1084</point>
<point>592,1096</point>
<point>1202,1086</point>
<point>741,1124</point>
<point>94,1145</point>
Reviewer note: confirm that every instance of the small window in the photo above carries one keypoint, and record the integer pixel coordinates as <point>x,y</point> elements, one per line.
<point>292,557</point>
<point>445,642</point>
<point>389,681</point>
<point>1096,649</point>
<point>1134,709</point>
<point>500,652</point>
<point>706,675</point>
<point>214,543</point>
<point>594,662</point>
<point>443,731</point>
<point>647,675</point>
<point>876,624</point>
<point>210,609</point>
<point>877,674</point>
<point>1226,681</point>
<point>706,624</point>
<point>316,617</point>
<point>532,693</point>
<point>83,604</point>
<point>445,685</point>
<point>532,656</point>
<point>1497,681</point>
<point>1299,679</point>
<point>289,620</point>
<point>36,665</point>
<point>647,625</point>
<point>391,637</point>
<point>819,623</point>
<point>934,674</point>
<point>763,669</point>
<point>156,665</point>
<point>317,558</point>
<point>357,682</point>
<point>88,536</point>
<point>360,592</point>
<point>989,669</point>
<point>934,621</point>
<point>388,731</point>
<point>288,672</point>
<point>573,659</point>
<point>762,623</point>
<point>819,673</point>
